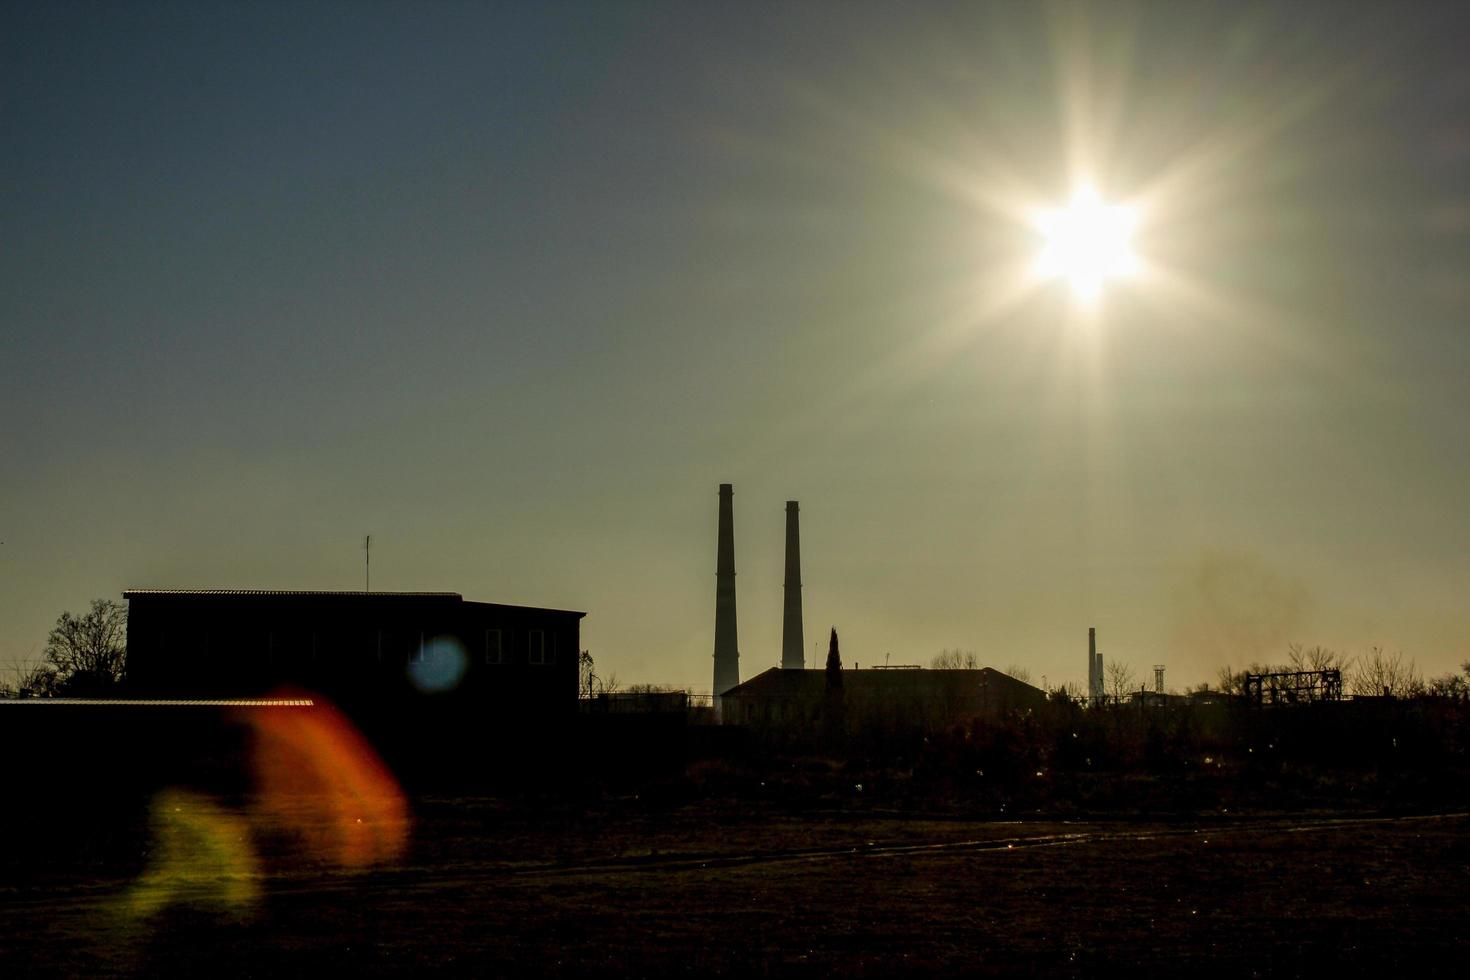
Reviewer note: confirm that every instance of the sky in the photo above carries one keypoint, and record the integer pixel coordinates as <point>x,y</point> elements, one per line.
<point>514,287</point>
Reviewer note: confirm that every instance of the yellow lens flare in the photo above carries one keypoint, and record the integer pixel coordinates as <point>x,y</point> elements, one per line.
<point>1087,243</point>
<point>202,854</point>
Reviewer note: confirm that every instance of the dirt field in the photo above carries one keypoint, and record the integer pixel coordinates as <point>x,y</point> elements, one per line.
<point>487,888</point>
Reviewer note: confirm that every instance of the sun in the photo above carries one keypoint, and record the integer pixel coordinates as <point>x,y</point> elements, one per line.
<point>1087,243</point>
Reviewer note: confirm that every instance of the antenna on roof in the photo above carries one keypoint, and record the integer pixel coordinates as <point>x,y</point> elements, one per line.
<point>367,563</point>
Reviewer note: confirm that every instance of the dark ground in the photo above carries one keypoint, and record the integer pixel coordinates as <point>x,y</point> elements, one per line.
<point>493,887</point>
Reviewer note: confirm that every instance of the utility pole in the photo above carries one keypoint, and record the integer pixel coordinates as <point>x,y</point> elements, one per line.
<point>367,563</point>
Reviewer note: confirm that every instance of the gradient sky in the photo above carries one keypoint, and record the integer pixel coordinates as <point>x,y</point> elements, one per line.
<point>514,287</point>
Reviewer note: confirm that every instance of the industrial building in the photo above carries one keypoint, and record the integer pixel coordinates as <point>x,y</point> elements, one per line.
<point>364,651</point>
<point>793,703</point>
<point>789,703</point>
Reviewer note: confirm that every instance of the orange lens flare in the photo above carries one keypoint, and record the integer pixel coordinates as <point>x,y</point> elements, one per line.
<point>319,779</point>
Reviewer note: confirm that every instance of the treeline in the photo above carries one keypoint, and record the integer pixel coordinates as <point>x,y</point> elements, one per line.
<point>1376,673</point>
<point>1066,758</point>
<point>85,656</point>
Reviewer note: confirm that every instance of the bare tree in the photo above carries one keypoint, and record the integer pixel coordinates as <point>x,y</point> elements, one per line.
<point>89,652</point>
<point>30,680</point>
<point>1067,691</point>
<point>1120,679</point>
<point>955,659</point>
<point>1455,687</point>
<point>1315,658</point>
<point>589,683</point>
<point>1019,673</point>
<point>1233,681</point>
<point>1388,674</point>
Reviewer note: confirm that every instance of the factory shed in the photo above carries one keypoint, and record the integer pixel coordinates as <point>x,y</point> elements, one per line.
<point>371,653</point>
<point>784,702</point>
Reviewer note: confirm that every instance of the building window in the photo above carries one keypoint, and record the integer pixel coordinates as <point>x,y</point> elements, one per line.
<point>494,652</point>
<point>536,646</point>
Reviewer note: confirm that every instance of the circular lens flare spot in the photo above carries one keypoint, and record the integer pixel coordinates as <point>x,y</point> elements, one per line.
<point>440,667</point>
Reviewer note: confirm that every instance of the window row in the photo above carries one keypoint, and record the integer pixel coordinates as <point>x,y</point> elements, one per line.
<point>498,647</point>
<point>538,651</point>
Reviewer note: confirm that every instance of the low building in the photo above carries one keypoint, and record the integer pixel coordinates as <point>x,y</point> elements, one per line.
<point>782,702</point>
<point>369,652</point>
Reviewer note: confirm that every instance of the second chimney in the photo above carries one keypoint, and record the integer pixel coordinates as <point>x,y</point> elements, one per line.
<point>792,647</point>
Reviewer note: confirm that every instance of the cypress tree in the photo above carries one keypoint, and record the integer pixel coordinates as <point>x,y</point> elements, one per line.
<point>834,663</point>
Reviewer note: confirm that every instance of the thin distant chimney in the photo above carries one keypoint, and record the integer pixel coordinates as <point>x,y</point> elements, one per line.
<point>791,638</point>
<point>1094,667</point>
<point>727,647</point>
<point>1091,662</point>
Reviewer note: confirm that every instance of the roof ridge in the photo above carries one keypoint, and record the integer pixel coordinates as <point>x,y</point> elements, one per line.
<point>283,592</point>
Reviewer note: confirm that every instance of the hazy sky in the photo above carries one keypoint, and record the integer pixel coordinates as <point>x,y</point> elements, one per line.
<point>514,287</point>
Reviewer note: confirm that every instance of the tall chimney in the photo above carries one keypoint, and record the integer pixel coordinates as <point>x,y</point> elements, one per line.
<point>1091,662</point>
<point>727,648</point>
<point>792,646</point>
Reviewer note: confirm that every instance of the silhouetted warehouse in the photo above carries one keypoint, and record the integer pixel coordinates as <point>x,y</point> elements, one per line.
<point>372,653</point>
<point>789,702</point>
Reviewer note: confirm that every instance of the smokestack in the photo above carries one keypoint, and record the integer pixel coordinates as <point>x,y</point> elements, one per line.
<point>1092,662</point>
<point>727,648</point>
<point>792,645</point>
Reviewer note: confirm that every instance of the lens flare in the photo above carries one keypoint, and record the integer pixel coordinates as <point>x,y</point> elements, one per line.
<point>1087,243</point>
<point>202,855</point>
<point>320,781</point>
<point>440,666</point>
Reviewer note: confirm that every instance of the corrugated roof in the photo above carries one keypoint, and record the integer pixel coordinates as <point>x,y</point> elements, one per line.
<point>534,609</point>
<point>143,593</point>
<point>163,703</point>
<point>322,594</point>
<point>782,682</point>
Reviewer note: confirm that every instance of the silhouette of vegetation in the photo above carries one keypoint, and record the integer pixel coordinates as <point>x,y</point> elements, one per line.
<point>89,652</point>
<point>589,683</point>
<point>30,680</point>
<point>653,689</point>
<point>1386,674</point>
<point>1456,687</point>
<point>956,659</point>
<point>834,713</point>
<point>1121,680</point>
<point>1314,658</point>
<point>834,663</point>
<point>1067,691</point>
<point>1298,658</point>
<point>1019,673</point>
